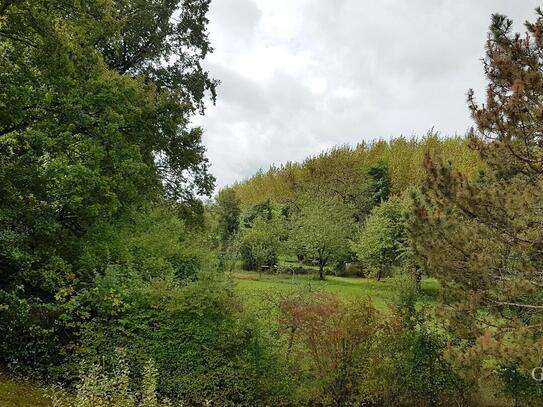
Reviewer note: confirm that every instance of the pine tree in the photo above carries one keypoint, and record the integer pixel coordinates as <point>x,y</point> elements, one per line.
<point>483,237</point>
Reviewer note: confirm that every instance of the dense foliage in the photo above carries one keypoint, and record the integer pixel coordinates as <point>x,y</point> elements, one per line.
<point>93,126</point>
<point>196,334</point>
<point>347,172</point>
<point>382,241</point>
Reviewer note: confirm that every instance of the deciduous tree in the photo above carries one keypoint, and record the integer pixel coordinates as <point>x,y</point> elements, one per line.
<point>95,102</point>
<point>321,230</point>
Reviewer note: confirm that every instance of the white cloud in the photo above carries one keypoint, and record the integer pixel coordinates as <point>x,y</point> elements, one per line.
<point>299,76</point>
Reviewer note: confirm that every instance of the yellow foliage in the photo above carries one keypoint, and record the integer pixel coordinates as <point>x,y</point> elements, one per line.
<point>347,165</point>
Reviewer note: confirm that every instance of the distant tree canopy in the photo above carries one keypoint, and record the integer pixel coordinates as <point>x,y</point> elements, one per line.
<point>93,124</point>
<point>347,172</point>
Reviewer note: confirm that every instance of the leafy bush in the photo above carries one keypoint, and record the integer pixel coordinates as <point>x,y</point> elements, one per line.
<point>155,242</point>
<point>30,342</point>
<point>330,342</point>
<point>347,353</point>
<point>203,346</point>
<point>40,337</point>
<point>410,366</point>
<point>99,385</point>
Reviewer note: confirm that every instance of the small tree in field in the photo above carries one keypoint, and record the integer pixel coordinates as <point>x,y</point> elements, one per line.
<point>381,241</point>
<point>321,230</point>
<point>259,245</point>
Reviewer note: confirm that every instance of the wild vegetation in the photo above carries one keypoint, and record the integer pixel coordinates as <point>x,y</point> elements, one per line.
<point>400,272</point>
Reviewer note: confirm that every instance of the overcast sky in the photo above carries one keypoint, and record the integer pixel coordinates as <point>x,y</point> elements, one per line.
<point>300,76</point>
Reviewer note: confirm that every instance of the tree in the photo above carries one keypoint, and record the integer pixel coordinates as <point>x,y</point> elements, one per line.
<point>381,240</point>
<point>259,244</point>
<point>163,42</point>
<point>321,230</point>
<point>379,184</point>
<point>228,210</point>
<point>483,237</point>
<point>93,125</point>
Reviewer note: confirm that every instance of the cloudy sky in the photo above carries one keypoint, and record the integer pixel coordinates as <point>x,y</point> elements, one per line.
<point>300,76</point>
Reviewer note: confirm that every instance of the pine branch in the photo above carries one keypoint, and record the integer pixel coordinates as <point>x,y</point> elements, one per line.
<point>518,305</point>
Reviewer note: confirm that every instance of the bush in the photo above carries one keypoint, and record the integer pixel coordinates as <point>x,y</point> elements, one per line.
<point>347,353</point>
<point>30,342</point>
<point>100,385</point>
<point>410,367</point>
<point>330,342</point>
<point>40,338</point>
<point>203,346</point>
<point>154,242</point>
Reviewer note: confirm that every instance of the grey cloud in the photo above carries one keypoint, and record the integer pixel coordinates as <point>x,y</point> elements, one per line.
<point>238,16</point>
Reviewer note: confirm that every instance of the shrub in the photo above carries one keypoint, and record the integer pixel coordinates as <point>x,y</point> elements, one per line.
<point>30,341</point>
<point>154,242</point>
<point>334,340</point>
<point>409,366</point>
<point>101,385</point>
<point>203,346</point>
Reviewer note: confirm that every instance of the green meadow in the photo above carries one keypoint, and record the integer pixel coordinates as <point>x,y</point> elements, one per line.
<point>254,287</point>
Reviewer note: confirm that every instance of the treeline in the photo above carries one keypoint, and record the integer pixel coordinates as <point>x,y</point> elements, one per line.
<point>344,168</point>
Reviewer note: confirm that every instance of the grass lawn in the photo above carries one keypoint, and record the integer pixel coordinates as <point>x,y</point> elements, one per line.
<point>20,393</point>
<point>382,293</point>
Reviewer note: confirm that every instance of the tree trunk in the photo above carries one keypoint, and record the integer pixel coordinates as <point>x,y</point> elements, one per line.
<point>418,279</point>
<point>321,271</point>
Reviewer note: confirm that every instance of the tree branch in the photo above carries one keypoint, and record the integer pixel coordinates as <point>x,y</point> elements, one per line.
<point>518,305</point>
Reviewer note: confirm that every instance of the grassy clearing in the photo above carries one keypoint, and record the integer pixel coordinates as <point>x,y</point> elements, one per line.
<point>383,293</point>
<point>21,393</point>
